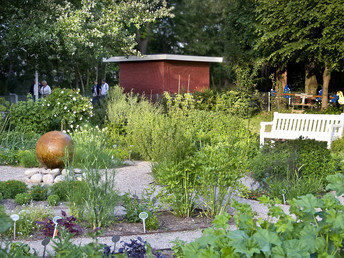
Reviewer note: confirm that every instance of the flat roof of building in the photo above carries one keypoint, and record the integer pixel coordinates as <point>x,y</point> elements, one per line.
<point>161,57</point>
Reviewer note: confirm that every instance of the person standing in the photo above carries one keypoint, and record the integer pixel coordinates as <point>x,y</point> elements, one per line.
<point>104,89</point>
<point>45,89</point>
<point>32,90</point>
<point>95,93</point>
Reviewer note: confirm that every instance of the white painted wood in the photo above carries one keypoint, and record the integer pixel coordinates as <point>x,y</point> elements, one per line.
<point>157,57</point>
<point>309,126</point>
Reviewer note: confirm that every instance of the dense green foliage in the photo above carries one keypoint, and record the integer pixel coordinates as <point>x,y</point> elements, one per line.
<point>11,188</point>
<point>64,108</point>
<point>314,227</point>
<point>299,167</point>
<point>38,192</point>
<point>22,198</point>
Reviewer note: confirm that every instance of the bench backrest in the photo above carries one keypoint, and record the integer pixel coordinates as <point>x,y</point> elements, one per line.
<point>305,124</point>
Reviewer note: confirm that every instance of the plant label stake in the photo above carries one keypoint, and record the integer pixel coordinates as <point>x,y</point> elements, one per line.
<point>45,242</point>
<point>115,239</point>
<point>283,192</point>
<point>14,217</point>
<point>143,216</point>
<point>55,219</point>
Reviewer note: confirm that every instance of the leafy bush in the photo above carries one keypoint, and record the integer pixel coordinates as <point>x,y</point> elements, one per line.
<point>64,107</point>
<point>296,166</point>
<point>53,199</point>
<point>11,188</point>
<point>1,197</point>
<point>66,223</point>
<point>90,143</point>
<point>26,225</point>
<point>94,199</point>
<point>133,207</point>
<point>314,228</point>
<point>22,198</point>
<point>61,189</point>
<point>11,142</point>
<point>38,192</point>
<point>138,248</point>
<point>28,159</point>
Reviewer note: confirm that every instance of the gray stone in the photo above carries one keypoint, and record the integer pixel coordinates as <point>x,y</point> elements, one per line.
<point>59,179</point>
<point>128,162</point>
<point>48,179</point>
<point>31,171</point>
<point>77,171</point>
<point>36,178</point>
<point>79,178</point>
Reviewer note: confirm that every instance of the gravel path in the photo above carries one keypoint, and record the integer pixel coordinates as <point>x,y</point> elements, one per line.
<point>8,173</point>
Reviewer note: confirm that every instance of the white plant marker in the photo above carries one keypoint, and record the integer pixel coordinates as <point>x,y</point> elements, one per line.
<point>14,217</point>
<point>143,216</point>
<point>55,219</point>
<point>283,192</point>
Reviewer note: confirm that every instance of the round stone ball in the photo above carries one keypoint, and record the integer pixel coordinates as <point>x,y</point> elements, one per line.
<point>52,147</point>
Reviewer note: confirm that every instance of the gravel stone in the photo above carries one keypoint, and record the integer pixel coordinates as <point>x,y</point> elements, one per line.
<point>36,178</point>
<point>48,179</point>
<point>31,171</point>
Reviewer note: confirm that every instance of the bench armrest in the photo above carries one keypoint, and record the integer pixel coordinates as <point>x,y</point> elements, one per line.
<point>263,124</point>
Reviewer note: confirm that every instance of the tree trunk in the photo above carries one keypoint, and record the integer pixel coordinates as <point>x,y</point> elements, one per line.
<point>281,81</point>
<point>142,40</point>
<point>82,82</point>
<point>88,78</point>
<point>311,83</point>
<point>326,84</point>
<point>96,69</point>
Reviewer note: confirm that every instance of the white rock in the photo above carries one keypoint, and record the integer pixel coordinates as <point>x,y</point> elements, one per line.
<point>55,172</point>
<point>64,172</point>
<point>59,179</point>
<point>30,172</point>
<point>48,179</point>
<point>77,171</point>
<point>46,171</point>
<point>36,178</point>
<point>79,178</point>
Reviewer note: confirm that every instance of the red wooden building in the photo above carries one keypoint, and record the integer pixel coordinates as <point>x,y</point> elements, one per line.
<point>154,74</point>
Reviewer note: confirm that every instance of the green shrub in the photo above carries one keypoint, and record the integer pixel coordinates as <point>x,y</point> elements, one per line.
<point>133,207</point>
<point>306,158</point>
<point>63,106</point>
<point>38,192</point>
<point>1,197</point>
<point>94,199</point>
<point>22,198</point>
<point>26,225</point>
<point>312,229</point>
<point>90,143</point>
<point>53,200</point>
<point>297,167</point>
<point>61,189</point>
<point>11,188</point>
<point>28,159</point>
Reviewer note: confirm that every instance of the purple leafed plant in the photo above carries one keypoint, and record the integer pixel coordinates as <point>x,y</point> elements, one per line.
<point>68,223</point>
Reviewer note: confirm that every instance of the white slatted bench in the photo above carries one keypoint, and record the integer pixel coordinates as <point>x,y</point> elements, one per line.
<point>319,127</point>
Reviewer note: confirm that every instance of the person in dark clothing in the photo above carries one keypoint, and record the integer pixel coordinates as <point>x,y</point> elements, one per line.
<point>95,93</point>
<point>32,90</point>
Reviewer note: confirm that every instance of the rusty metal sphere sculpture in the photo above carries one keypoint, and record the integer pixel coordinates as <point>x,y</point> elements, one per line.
<point>52,147</point>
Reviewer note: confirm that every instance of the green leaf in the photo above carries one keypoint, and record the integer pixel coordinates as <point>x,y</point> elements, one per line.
<point>336,183</point>
<point>309,203</point>
<point>221,221</point>
<point>294,248</point>
<point>309,237</point>
<point>266,239</point>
